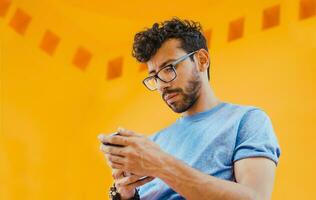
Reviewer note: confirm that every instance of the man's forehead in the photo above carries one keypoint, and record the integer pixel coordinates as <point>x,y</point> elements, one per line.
<point>155,65</point>
<point>168,52</point>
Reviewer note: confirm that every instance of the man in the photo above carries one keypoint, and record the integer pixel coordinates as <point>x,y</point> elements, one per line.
<point>215,150</point>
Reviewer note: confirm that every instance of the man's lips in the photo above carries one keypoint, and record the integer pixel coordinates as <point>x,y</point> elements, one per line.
<point>169,96</point>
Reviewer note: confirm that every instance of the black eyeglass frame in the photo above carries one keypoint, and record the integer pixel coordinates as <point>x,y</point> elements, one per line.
<point>172,65</point>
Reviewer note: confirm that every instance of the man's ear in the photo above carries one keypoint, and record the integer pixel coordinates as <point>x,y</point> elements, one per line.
<point>203,60</point>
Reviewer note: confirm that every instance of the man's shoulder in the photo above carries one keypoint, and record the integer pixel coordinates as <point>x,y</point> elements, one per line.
<point>246,111</point>
<point>233,111</point>
<point>229,112</point>
<point>249,111</point>
<point>234,107</point>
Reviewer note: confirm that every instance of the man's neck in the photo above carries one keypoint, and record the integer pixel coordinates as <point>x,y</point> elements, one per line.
<point>205,101</point>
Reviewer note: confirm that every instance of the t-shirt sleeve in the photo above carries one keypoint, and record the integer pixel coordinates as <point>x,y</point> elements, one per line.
<point>256,137</point>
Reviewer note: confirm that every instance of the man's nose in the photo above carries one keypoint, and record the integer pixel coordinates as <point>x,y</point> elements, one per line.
<point>162,85</point>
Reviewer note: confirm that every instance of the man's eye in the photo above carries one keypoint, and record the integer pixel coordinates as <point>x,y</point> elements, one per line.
<point>169,69</point>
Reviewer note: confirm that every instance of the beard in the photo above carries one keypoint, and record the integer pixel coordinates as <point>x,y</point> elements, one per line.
<point>188,95</point>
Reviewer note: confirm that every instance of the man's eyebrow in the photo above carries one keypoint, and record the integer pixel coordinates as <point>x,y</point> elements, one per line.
<point>162,65</point>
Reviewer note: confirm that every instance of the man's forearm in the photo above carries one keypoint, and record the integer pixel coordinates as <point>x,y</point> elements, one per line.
<point>193,184</point>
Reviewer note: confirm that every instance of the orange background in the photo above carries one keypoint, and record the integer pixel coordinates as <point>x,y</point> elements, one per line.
<point>67,75</point>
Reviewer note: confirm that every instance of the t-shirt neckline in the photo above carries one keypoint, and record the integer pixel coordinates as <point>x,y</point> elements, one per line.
<point>201,115</point>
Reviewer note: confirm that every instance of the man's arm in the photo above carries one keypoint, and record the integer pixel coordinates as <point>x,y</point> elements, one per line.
<point>254,177</point>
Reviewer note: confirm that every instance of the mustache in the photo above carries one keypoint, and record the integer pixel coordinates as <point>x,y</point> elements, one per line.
<point>169,91</point>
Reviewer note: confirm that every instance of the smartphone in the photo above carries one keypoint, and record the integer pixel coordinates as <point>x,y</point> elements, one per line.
<point>113,145</point>
<point>142,178</point>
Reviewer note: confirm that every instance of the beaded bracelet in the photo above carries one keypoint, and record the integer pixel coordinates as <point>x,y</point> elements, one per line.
<point>115,195</point>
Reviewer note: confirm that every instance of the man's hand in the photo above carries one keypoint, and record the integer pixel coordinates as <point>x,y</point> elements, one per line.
<point>139,155</point>
<point>126,185</point>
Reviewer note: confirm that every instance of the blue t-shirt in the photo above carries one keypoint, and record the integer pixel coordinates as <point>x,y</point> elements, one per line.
<point>211,141</point>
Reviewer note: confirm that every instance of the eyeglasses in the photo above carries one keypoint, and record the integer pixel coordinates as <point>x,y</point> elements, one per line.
<point>166,74</point>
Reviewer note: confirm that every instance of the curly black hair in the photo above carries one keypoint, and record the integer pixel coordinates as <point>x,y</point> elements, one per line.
<point>147,42</point>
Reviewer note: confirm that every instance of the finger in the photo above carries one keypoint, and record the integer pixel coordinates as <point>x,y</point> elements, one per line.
<point>117,140</point>
<point>101,137</point>
<point>115,165</point>
<point>116,159</point>
<point>108,160</point>
<point>119,151</point>
<point>139,183</point>
<point>127,174</point>
<point>128,133</point>
<point>125,132</point>
<point>127,180</point>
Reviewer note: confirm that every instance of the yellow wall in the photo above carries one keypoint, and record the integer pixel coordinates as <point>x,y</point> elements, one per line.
<point>52,111</point>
